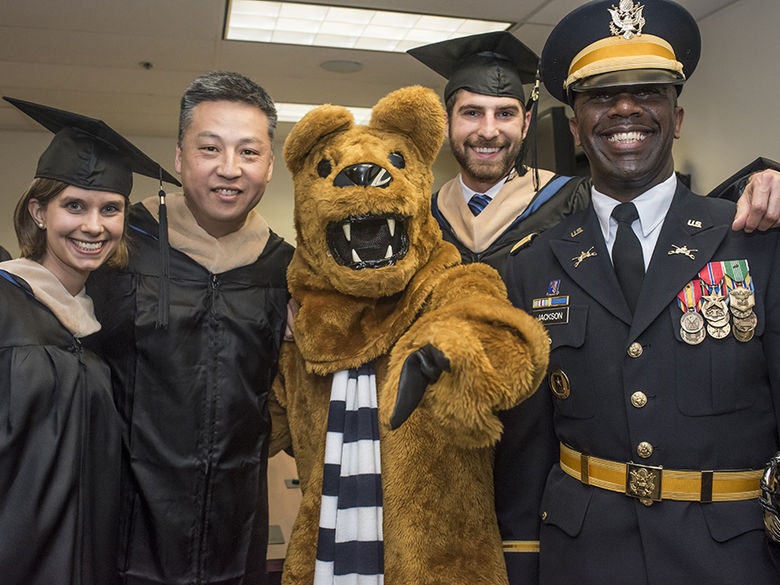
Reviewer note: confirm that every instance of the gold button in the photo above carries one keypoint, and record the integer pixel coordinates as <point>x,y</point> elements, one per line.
<point>635,349</point>
<point>644,449</point>
<point>544,515</point>
<point>638,399</point>
<point>559,384</point>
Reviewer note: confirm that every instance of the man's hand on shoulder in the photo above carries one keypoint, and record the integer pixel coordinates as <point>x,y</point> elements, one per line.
<point>759,205</point>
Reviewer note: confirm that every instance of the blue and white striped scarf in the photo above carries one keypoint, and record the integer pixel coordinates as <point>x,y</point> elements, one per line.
<point>350,550</point>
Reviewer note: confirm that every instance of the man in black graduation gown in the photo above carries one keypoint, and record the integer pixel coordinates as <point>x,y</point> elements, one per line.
<point>192,330</point>
<point>664,327</point>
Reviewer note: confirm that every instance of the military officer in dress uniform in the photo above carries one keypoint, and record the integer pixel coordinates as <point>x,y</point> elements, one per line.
<point>664,327</point>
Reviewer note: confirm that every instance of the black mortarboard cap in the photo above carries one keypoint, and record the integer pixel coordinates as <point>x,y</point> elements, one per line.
<point>607,43</point>
<point>732,187</point>
<point>494,64</point>
<point>87,153</point>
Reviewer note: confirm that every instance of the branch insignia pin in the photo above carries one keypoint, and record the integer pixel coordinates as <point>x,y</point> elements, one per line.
<point>683,250</point>
<point>583,255</point>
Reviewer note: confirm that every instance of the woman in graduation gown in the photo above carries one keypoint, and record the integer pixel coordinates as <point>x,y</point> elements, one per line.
<point>60,435</point>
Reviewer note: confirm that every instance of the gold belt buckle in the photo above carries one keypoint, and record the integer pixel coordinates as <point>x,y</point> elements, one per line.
<point>644,482</point>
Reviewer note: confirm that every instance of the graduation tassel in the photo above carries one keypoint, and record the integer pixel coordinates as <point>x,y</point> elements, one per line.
<point>533,101</point>
<point>163,301</point>
<point>521,168</point>
<point>532,128</point>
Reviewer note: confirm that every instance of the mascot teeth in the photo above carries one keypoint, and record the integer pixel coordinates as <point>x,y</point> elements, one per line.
<point>368,241</point>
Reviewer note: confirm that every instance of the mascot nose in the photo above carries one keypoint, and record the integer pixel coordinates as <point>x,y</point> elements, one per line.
<point>363,175</point>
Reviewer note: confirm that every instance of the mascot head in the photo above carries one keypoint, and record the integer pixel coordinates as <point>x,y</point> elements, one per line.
<point>362,193</point>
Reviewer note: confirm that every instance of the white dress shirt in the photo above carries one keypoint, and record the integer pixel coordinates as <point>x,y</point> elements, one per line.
<point>652,206</point>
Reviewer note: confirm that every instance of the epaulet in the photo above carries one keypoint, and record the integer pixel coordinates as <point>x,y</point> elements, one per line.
<point>526,241</point>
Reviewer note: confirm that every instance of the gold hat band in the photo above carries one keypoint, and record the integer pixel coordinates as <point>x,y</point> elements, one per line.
<point>618,54</point>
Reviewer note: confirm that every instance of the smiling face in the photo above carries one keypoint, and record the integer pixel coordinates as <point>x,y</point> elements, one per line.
<point>627,134</point>
<point>485,134</point>
<point>83,229</point>
<point>225,161</point>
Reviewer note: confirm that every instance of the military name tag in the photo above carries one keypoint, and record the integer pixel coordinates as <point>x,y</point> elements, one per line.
<point>556,316</point>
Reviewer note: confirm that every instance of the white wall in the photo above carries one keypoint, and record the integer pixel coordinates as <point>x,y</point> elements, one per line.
<point>19,152</point>
<point>731,112</point>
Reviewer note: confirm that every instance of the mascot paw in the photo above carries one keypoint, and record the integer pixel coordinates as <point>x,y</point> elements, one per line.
<point>421,369</point>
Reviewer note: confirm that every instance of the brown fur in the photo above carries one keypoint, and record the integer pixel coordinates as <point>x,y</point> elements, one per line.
<point>439,523</point>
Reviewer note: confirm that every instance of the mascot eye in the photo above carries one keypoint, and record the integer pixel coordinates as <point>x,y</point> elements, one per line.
<point>396,159</point>
<point>324,168</point>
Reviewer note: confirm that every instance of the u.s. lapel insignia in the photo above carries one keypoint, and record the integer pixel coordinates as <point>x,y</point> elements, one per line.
<point>583,255</point>
<point>683,250</point>
<point>694,223</point>
<point>576,232</point>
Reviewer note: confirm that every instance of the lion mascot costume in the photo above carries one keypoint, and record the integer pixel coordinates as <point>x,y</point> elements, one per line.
<point>402,358</point>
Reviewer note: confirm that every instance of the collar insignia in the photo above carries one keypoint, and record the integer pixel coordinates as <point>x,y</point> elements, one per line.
<point>576,232</point>
<point>627,19</point>
<point>694,223</point>
<point>583,255</point>
<point>683,250</point>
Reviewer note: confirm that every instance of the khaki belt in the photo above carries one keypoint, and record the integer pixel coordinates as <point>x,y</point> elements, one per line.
<point>653,484</point>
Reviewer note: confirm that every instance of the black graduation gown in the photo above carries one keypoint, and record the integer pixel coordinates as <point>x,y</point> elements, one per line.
<point>194,500</point>
<point>60,438</point>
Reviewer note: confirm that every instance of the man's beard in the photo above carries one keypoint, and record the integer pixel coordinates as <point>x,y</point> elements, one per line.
<point>486,171</point>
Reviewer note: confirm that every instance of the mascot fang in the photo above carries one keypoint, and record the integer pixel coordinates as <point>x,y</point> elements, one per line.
<point>402,359</point>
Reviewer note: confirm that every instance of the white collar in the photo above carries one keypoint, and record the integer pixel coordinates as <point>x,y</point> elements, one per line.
<point>468,192</point>
<point>652,206</point>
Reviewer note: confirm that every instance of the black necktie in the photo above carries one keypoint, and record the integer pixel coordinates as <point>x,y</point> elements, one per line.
<point>627,254</point>
<point>477,203</point>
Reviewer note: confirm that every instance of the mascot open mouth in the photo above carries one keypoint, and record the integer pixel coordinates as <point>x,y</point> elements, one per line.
<point>368,241</point>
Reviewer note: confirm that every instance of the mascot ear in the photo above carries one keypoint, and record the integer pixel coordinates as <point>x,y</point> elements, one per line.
<point>311,129</point>
<point>415,112</point>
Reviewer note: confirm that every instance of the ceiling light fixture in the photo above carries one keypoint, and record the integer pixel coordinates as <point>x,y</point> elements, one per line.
<point>289,112</point>
<point>263,21</point>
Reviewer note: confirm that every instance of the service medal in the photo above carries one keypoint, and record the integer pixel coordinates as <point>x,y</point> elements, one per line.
<point>741,301</point>
<point>743,336</point>
<point>719,332</point>
<point>746,323</point>
<point>713,307</point>
<point>691,322</point>
<point>693,338</point>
